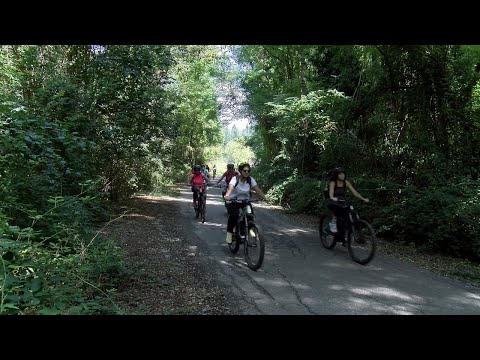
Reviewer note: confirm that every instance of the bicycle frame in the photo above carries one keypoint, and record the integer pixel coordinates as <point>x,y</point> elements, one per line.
<point>245,216</point>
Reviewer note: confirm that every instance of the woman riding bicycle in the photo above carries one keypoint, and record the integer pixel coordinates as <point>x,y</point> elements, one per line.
<point>197,181</point>
<point>240,190</point>
<point>337,189</point>
<point>228,175</point>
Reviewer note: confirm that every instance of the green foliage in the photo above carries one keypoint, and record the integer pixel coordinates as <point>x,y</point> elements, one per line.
<point>75,278</point>
<point>402,119</point>
<point>444,218</point>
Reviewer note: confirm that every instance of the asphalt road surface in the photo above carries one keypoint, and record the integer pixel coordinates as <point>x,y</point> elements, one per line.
<point>300,277</point>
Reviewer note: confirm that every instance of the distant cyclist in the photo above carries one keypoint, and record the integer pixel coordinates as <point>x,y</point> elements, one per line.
<point>214,169</point>
<point>228,175</point>
<point>205,172</point>
<point>197,181</point>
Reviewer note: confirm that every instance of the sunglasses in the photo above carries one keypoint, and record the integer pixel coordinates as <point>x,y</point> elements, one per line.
<point>246,170</point>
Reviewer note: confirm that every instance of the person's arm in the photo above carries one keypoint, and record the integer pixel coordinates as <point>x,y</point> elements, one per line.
<point>258,191</point>
<point>354,192</point>
<point>218,182</point>
<point>229,191</point>
<point>191,180</point>
<point>331,191</point>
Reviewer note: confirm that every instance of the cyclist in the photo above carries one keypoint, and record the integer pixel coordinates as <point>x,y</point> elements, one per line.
<point>228,175</point>
<point>197,181</point>
<point>239,187</point>
<point>214,169</point>
<point>204,171</point>
<point>337,189</point>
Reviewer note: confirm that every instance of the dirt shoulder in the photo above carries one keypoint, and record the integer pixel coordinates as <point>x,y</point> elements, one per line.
<point>167,278</point>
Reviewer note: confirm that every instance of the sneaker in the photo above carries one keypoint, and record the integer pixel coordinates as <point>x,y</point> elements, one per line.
<point>333,226</point>
<point>251,233</point>
<point>229,237</point>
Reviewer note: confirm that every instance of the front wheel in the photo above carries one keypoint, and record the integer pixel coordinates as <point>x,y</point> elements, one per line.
<point>204,208</point>
<point>362,242</point>
<point>254,248</point>
<point>197,209</point>
<point>326,236</point>
<point>235,244</point>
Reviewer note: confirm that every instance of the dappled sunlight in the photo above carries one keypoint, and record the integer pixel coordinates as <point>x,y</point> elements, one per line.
<point>473,296</point>
<point>270,255</point>
<point>140,216</point>
<point>212,224</point>
<point>386,292</point>
<point>285,231</point>
<point>365,305</point>
<point>466,299</point>
<point>301,286</point>
<point>275,282</point>
<point>296,231</point>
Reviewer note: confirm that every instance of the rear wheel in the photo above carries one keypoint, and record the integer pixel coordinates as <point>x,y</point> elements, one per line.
<point>254,248</point>
<point>326,236</point>
<point>362,242</point>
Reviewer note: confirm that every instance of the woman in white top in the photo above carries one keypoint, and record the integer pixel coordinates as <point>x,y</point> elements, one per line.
<point>241,192</point>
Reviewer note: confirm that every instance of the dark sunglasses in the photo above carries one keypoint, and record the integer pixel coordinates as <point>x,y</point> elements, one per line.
<point>246,170</point>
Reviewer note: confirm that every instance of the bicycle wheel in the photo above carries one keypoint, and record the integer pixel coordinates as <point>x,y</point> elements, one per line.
<point>362,242</point>
<point>254,248</point>
<point>204,208</point>
<point>326,237</point>
<point>235,244</point>
<point>197,209</point>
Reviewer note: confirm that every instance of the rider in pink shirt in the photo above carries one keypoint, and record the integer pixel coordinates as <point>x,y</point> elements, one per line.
<point>197,181</point>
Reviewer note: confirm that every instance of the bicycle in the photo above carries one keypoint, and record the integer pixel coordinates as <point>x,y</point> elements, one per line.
<point>201,207</point>
<point>359,235</point>
<point>253,246</point>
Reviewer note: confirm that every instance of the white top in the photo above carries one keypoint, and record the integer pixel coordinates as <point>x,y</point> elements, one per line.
<point>242,191</point>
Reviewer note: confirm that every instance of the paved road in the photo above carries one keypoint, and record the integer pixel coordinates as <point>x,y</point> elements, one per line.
<point>301,277</point>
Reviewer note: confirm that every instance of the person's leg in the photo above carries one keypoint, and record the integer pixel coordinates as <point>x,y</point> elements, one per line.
<point>195,197</point>
<point>333,223</point>
<point>232,220</point>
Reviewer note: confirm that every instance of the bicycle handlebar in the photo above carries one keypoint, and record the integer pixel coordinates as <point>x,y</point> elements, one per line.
<point>244,201</point>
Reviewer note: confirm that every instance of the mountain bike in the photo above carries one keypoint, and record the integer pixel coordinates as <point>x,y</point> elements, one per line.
<point>358,234</point>
<point>201,207</point>
<point>246,233</point>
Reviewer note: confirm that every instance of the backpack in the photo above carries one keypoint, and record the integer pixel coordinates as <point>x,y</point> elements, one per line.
<point>249,182</point>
